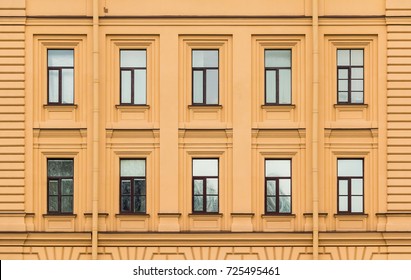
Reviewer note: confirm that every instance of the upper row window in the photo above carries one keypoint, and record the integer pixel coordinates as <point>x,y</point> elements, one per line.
<point>205,77</point>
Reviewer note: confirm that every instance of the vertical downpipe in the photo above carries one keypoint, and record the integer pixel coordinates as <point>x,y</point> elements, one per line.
<point>94,234</point>
<point>315,130</point>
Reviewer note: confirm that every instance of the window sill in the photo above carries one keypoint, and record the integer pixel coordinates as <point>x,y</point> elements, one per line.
<point>132,106</point>
<point>362,215</point>
<point>279,106</point>
<point>278,215</point>
<point>351,105</point>
<point>205,214</point>
<point>68,106</point>
<point>99,214</point>
<point>60,215</point>
<point>205,106</point>
<point>132,214</point>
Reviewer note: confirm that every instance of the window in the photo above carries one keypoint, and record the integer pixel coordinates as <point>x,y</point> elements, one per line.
<point>133,74</point>
<point>60,67</point>
<point>205,185</point>
<point>350,185</point>
<point>132,186</point>
<point>277,65</point>
<point>205,77</point>
<point>278,186</point>
<point>60,186</point>
<point>350,75</point>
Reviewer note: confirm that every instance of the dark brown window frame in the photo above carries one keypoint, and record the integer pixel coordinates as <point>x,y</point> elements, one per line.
<point>131,195</point>
<point>59,195</point>
<point>204,195</point>
<point>349,194</point>
<point>277,80</point>
<point>349,79</point>
<point>132,69</point>
<point>60,69</point>
<point>277,189</point>
<point>204,71</point>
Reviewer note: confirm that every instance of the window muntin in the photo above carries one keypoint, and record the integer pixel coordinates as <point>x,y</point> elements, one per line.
<point>277,64</point>
<point>350,76</point>
<point>60,69</point>
<point>278,186</point>
<point>60,186</point>
<point>133,194</point>
<point>205,77</point>
<point>133,77</point>
<point>350,179</point>
<point>205,186</point>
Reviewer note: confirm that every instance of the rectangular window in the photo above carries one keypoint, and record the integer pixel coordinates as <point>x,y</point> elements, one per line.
<point>350,76</point>
<point>350,185</point>
<point>133,77</point>
<point>132,186</point>
<point>60,67</point>
<point>205,77</point>
<point>277,65</point>
<point>60,186</point>
<point>205,186</point>
<point>278,186</point>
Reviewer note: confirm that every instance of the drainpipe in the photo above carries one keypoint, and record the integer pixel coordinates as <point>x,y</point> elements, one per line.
<point>315,131</point>
<point>94,234</point>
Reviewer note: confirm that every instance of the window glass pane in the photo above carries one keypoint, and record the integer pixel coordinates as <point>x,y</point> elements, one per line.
<point>271,190</point>
<point>53,86</point>
<point>140,87</point>
<point>342,187</point>
<point>342,85</point>
<point>278,168</point>
<point>212,186</point>
<point>205,58</point>
<point>342,96</point>
<point>356,187</point>
<point>133,167</point>
<point>342,73</point>
<point>67,186</point>
<point>53,204</point>
<point>62,168</point>
<point>285,186</point>
<point>343,203</point>
<point>212,87</point>
<point>197,86</point>
<point>125,86</point>
<point>67,204</point>
<point>357,97</point>
<point>205,167</point>
<point>357,85</point>
<point>125,204</point>
<point>53,187</point>
<point>271,205</point>
<point>60,58</point>
<point>356,204</point>
<point>270,86</point>
<point>350,167</point>
<point>198,186</point>
<point>139,187</point>
<point>198,203</point>
<point>343,57</point>
<point>132,58</point>
<point>212,203</point>
<point>357,57</point>
<point>140,204</point>
<point>277,58</point>
<point>357,73</point>
<point>125,187</point>
<point>285,204</point>
<point>285,86</point>
<point>67,86</point>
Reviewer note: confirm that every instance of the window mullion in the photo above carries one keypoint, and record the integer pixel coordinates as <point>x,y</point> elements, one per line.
<point>277,195</point>
<point>132,86</point>
<point>60,101</point>
<point>204,194</point>
<point>204,86</point>
<point>277,86</point>
<point>59,195</point>
<point>349,195</point>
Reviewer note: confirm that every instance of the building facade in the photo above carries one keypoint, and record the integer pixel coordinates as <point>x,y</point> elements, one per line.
<point>205,129</point>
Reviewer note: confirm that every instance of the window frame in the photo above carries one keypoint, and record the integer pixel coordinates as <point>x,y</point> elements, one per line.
<point>277,89</point>
<point>349,190</point>
<point>60,78</point>
<point>277,189</point>
<point>132,186</point>
<point>204,195</point>
<point>204,71</point>
<point>59,195</point>
<point>132,69</point>
<point>349,79</point>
